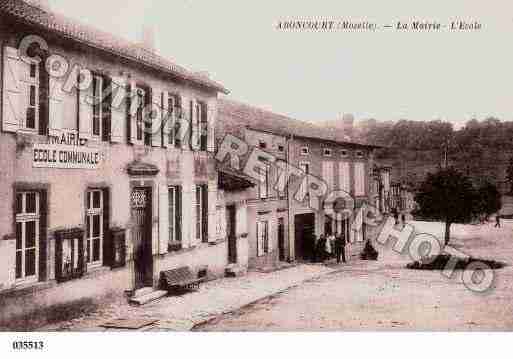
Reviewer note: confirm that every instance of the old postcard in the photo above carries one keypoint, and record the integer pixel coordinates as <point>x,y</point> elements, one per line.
<point>187,165</point>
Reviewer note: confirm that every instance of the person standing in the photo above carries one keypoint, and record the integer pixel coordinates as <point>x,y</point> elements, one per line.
<point>340,247</point>
<point>498,221</point>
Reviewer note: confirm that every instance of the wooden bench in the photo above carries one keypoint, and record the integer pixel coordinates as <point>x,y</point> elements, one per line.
<point>179,278</point>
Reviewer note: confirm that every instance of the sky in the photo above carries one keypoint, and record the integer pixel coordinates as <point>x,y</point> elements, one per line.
<point>314,76</point>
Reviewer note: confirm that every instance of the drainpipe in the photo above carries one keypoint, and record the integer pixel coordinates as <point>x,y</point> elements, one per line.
<point>291,237</point>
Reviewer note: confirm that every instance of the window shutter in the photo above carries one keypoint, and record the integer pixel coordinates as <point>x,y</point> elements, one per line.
<point>343,178</point>
<point>43,216</point>
<point>211,123</point>
<point>165,120</point>
<point>108,245</point>
<point>178,214</point>
<point>117,118</point>
<point>359,179</point>
<point>204,212</point>
<point>271,235</point>
<point>194,240</point>
<point>56,110</point>
<point>85,105</point>
<point>260,238</point>
<point>13,93</point>
<point>163,218</point>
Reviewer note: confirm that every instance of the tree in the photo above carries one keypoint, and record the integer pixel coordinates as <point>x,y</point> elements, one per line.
<point>509,175</point>
<point>488,200</point>
<point>447,196</point>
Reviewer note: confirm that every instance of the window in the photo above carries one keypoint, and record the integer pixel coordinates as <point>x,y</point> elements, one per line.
<point>178,114</point>
<point>359,154</point>
<point>32,114</point>
<point>171,103</point>
<point>139,121</point>
<point>262,144</point>
<point>195,115</point>
<point>281,148</point>
<point>175,216</point>
<point>204,127</point>
<point>94,227</point>
<point>262,238</point>
<point>327,152</point>
<point>201,207</point>
<point>344,153</point>
<point>97,104</point>
<point>263,184</point>
<point>27,235</point>
<point>305,151</point>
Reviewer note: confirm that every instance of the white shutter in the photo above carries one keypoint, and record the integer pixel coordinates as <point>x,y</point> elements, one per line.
<point>344,180</point>
<point>85,105</point>
<point>56,111</point>
<point>359,179</point>
<point>118,110</point>
<point>13,109</point>
<point>260,238</point>
<point>212,201</point>
<point>211,120</point>
<point>163,218</point>
<point>271,235</point>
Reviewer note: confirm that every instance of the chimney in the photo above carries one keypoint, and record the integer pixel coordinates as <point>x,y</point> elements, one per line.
<point>348,124</point>
<point>148,38</point>
<point>40,4</point>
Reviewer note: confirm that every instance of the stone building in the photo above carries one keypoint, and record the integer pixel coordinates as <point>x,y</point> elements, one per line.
<point>95,200</point>
<point>315,153</point>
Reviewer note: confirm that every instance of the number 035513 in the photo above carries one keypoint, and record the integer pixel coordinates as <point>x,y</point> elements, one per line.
<point>27,345</point>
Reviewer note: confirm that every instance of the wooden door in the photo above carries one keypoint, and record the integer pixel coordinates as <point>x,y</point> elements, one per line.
<point>141,236</point>
<point>231,233</point>
<point>281,239</point>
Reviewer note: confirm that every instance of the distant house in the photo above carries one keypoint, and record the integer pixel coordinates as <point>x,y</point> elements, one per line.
<point>283,226</point>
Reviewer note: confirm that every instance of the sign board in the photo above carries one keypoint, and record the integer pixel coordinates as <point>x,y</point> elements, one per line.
<point>52,155</point>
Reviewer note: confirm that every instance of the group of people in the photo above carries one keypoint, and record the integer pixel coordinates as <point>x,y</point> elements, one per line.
<point>329,246</point>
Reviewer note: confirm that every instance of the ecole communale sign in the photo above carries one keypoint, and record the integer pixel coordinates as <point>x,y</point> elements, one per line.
<point>65,155</point>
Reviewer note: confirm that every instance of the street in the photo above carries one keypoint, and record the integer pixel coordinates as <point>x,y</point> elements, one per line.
<point>384,295</point>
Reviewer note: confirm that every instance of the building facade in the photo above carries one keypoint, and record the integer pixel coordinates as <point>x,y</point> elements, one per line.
<point>95,199</point>
<point>307,152</point>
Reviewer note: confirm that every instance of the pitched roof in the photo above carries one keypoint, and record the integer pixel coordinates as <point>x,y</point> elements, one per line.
<point>233,116</point>
<point>56,23</point>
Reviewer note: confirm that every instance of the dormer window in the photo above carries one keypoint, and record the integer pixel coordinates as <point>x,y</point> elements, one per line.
<point>327,152</point>
<point>262,144</point>
<point>305,151</point>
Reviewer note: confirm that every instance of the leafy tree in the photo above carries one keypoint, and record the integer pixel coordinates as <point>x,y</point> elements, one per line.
<point>488,200</point>
<point>509,175</point>
<point>447,196</point>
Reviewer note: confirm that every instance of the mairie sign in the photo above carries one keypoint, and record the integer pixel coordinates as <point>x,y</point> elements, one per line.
<point>52,155</point>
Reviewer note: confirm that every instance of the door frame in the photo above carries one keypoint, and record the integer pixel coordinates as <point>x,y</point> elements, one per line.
<point>149,185</point>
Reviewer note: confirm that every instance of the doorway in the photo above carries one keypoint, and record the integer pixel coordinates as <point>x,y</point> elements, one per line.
<point>304,235</point>
<point>140,204</point>
<point>231,232</point>
<point>281,239</point>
